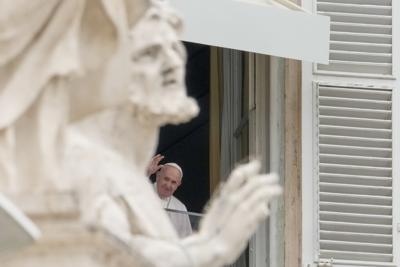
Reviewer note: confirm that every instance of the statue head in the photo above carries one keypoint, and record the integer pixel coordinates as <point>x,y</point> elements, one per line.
<point>157,69</point>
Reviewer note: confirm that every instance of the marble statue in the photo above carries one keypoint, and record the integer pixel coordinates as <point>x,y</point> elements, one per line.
<point>18,231</point>
<point>94,118</point>
<point>55,56</point>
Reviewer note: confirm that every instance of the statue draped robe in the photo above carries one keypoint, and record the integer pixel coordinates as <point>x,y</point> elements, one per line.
<point>60,62</point>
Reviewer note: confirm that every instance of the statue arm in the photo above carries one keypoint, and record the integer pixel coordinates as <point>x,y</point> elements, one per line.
<point>233,216</point>
<point>231,219</point>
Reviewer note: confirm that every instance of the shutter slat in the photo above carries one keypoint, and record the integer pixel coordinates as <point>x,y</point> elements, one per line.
<point>356,199</point>
<point>359,161</point>
<point>356,256</point>
<point>361,28</point>
<point>357,67</point>
<point>361,37</point>
<point>355,141</point>
<point>354,122</point>
<point>355,150</point>
<point>360,56</point>
<point>360,47</point>
<point>354,103</point>
<point>356,227</point>
<point>360,18</point>
<point>355,246</point>
<point>355,112</point>
<point>355,179</point>
<point>360,2</point>
<point>355,208</point>
<point>354,92</point>
<point>356,189</point>
<point>358,237</point>
<point>358,170</point>
<point>356,132</point>
<point>353,8</point>
<point>356,218</point>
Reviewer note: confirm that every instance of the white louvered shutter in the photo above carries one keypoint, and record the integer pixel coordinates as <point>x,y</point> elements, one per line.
<point>355,174</point>
<point>361,36</point>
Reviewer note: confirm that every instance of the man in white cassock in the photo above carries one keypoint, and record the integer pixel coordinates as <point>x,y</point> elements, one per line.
<point>168,179</point>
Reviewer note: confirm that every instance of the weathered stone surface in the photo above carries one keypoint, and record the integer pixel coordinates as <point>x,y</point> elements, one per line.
<point>81,103</point>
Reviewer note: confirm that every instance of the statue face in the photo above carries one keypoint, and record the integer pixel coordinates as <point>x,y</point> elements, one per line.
<point>157,84</point>
<point>158,57</point>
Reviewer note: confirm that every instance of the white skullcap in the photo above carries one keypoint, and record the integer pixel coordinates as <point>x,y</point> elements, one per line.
<point>176,166</point>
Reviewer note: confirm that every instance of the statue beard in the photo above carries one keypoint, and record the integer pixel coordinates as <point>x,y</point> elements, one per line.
<point>170,108</point>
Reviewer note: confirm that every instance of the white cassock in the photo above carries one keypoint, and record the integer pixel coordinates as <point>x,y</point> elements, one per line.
<point>179,220</point>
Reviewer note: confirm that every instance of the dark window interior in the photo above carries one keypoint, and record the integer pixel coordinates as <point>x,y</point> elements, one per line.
<point>188,144</point>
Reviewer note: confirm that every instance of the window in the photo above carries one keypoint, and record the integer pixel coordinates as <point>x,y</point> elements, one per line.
<point>354,174</point>
<point>350,124</point>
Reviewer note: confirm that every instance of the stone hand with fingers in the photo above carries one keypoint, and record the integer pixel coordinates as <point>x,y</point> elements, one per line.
<point>234,215</point>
